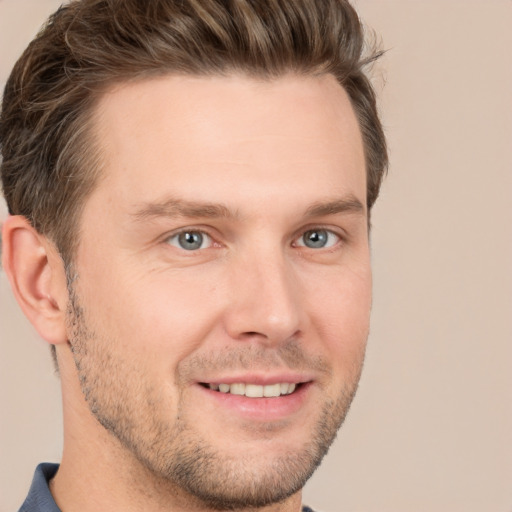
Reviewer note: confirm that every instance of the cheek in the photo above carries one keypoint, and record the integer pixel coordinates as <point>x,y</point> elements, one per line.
<point>341,315</point>
<point>162,315</point>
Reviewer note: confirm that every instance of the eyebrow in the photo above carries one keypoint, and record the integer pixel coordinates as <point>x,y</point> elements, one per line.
<point>349,204</point>
<point>173,207</point>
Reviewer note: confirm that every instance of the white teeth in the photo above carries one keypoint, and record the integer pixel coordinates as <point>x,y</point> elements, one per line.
<point>237,389</point>
<point>255,390</point>
<point>273,390</point>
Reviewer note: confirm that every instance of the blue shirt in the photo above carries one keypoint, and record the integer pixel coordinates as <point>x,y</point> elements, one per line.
<point>40,498</point>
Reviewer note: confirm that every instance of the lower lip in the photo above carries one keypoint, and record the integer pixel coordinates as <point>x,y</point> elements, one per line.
<point>262,409</point>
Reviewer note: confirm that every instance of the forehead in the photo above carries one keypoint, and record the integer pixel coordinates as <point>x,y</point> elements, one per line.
<point>203,135</point>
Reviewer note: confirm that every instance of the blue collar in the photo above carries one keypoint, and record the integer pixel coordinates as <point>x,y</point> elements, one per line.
<point>39,497</point>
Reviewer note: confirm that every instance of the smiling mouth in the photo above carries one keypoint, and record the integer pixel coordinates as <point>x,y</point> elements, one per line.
<point>255,390</point>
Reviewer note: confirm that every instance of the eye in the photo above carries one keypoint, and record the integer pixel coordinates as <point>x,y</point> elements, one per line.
<point>318,239</point>
<point>190,240</point>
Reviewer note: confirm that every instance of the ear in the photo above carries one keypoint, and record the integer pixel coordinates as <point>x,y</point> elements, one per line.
<point>37,276</point>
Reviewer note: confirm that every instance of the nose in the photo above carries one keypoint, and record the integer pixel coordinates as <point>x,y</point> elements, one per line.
<point>265,301</point>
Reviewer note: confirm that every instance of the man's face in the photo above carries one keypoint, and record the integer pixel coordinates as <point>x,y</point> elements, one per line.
<point>224,256</point>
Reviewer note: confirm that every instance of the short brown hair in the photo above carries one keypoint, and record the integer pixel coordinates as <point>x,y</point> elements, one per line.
<point>50,163</point>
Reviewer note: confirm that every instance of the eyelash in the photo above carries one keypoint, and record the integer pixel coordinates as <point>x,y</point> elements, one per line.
<point>175,236</point>
<point>317,229</point>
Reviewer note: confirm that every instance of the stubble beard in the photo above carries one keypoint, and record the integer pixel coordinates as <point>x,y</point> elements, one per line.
<point>175,455</point>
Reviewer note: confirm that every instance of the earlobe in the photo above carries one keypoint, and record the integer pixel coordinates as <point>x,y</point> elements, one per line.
<point>37,277</point>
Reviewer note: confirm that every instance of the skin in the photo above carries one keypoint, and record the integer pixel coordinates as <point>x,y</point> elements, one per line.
<point>253,166</point>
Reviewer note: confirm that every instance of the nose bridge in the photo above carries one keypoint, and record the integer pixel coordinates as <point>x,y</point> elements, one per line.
<point>265,299</point>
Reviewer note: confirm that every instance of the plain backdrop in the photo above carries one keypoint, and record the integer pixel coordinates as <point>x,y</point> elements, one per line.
<point>431,427</point>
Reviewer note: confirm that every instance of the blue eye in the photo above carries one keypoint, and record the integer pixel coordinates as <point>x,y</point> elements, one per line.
<point>190,240</point>
<point>318,239</point>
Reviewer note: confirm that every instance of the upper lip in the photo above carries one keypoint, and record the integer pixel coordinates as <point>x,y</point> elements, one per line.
<point>260,379</point>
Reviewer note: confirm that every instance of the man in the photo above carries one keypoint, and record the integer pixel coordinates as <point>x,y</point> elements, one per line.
<point>189,186</point>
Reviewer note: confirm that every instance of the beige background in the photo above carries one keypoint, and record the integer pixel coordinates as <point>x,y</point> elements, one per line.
<point>431,428</point>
